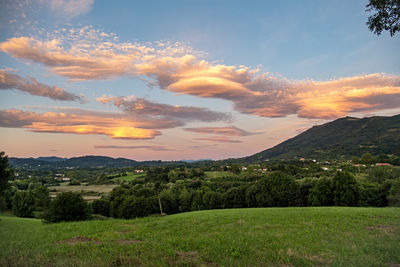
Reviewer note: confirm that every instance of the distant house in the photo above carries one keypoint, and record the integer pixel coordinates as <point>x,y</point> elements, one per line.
<point>244,168</point>
<point>325,168</point>
<point>138,171</point>
<point>302,159</point>
<point>383,164</point>
<point>65,179</point>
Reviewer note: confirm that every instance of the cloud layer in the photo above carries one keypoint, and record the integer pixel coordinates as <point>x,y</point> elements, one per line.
<point>226,131</point>
<point>151,147</point>
<point>9,81</point>
<point>88,54</point>
<point>142,107</point>
<point>139,119</point>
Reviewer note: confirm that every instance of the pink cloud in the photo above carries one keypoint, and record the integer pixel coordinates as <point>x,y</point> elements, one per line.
<point>177,68</point>
<point>9,81</point>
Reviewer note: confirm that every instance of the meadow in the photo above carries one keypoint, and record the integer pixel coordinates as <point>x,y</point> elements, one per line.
<point>334,236</point>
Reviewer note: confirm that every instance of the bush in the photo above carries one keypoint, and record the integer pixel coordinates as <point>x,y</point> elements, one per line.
<point>102,207</point>
<point>67,206</point>
<point>345,189</point>
<point>23,204</point>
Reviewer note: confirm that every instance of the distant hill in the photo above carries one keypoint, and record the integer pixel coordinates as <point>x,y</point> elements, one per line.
<point>80,162</point>
<point>343,137</point>
<point>51,159</point>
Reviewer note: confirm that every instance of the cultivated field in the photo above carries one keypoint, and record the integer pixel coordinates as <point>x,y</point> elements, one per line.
<point>245,237</point>
<point>87,190</point>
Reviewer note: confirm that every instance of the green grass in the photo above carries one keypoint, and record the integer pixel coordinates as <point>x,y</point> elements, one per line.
<point>101,188</point>
<point>333,236</point>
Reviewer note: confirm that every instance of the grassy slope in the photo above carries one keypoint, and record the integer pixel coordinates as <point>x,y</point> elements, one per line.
<point>256,237</point>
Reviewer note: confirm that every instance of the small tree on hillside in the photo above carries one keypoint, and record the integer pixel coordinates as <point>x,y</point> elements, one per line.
<point>23,204</point>
<point>67,206</point>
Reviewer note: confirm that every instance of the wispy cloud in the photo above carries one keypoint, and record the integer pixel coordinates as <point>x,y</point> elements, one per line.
<point>151,147</point>
<point>226,131</point>
<point>88,54</point>
<point>218,139</point>
<point>70,8</point>
<point>9,81</point>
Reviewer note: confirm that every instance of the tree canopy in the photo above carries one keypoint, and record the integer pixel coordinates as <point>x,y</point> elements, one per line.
<point>386,16</point>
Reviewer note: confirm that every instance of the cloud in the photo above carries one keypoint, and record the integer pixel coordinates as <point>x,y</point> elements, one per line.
<point>219,139</point>
<point>142,107</point>
<point>88,54</point>
<point>30,85</point>
<point>138,119</point>
<point>152,147</point>
<point>226,131</point>
<point>70,8</point>
<point>113,125</point>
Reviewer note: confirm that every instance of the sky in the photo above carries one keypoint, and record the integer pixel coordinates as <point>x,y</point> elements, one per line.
<point>189,79</point>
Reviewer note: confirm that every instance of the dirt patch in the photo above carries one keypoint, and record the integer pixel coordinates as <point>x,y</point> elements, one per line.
<point>188,256</point>
<point>128,241</point>
<point>387,229</point>
<point>79,239</point>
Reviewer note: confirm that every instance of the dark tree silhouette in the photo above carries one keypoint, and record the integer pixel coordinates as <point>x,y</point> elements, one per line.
<point>386,16</point>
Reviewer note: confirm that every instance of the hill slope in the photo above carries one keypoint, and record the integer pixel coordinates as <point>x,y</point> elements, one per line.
<point>80,162</point>
<point>343,137</point>
<point>337,236</point>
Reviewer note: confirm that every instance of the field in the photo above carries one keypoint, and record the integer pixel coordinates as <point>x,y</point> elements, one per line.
<point>101,189</point>
<point>245,237</point>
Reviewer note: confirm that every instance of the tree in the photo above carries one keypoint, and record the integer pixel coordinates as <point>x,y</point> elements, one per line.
<point>5,172</point>
<point>67,206</point>
<point>321,193</point>
<point>345,189</point>
<point>386,16</point>
<point>42,197</point>
<point>23,204</point>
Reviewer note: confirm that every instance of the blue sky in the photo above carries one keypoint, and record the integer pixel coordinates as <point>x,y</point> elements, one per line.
<point>210,79</point>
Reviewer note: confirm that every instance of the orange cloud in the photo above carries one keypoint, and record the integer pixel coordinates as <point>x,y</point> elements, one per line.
<point>115,126</point>
<point>177,68</point>
<point>30,85</point>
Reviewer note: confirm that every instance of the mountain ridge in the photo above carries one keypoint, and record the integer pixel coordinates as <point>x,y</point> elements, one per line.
<point>343,137</point>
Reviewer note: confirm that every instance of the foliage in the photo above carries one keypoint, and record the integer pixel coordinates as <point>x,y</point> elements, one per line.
<point>67,206</point>
<point>23,204</point>
<point>42,197</point>
<point>386,16</point>
<point>394,194</point>
<point>345,189</point>
<point>5,172</point>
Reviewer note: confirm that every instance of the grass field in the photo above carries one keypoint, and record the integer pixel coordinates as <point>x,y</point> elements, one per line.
<point>243,237</point>
<point>101,189</point>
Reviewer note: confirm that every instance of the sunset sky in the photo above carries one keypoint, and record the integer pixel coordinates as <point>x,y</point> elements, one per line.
<point>190,79</point>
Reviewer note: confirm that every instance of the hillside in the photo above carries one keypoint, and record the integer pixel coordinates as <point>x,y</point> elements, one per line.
<point>79,162</point>
<point>344,137</point>
<point>336,236</point>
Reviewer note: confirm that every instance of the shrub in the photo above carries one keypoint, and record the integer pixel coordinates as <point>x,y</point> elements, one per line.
<point>23,204</point>
<point>67,206</point>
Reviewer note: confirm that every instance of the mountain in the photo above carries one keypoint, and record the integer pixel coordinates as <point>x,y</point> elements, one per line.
<point>344,137</point>
<point>80,162</point>
<point>51,159</point>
